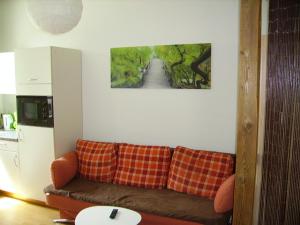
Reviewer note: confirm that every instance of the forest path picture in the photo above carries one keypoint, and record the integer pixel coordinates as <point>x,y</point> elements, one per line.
<point>155,78</point>
<point>163,66</point>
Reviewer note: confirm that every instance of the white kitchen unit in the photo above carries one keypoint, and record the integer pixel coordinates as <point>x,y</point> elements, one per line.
<point>48,71</point>
<point>9,166</point>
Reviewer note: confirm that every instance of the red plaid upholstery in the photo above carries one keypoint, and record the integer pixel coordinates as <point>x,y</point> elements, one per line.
<point>97,160</point>
<point>199,172</point>
<point>143,166</point>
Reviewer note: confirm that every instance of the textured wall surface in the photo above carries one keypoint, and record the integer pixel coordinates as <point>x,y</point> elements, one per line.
<point>280,196</point>
<point>203,119</point>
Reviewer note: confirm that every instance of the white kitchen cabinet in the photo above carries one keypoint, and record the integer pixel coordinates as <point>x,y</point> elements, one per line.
<point>36,146</point>
<point>9,166</point>
<point>33,66</point>
<point>58,74</point>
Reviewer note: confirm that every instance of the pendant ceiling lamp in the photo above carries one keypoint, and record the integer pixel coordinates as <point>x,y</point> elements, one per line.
<point>55,16</point>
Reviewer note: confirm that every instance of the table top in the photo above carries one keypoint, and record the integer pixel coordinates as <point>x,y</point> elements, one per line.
<point>97,215</point>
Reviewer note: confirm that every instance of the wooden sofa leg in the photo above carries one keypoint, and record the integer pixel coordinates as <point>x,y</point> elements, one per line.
<point>66,217</point>
<point>66,221</point>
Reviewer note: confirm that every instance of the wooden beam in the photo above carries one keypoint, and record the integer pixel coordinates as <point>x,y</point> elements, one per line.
<point>248,101</point>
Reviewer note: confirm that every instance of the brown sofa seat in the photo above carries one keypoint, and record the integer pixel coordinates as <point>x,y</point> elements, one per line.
<point>159,202</point>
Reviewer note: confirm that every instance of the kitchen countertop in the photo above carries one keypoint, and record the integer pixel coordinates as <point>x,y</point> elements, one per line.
<point>8,135</point>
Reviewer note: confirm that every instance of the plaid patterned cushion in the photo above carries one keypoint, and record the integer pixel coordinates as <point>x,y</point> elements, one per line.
<point>97,160</point>
<point>143,166</point>
<point>199,172</point>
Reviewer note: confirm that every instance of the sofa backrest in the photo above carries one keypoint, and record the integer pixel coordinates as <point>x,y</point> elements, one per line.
<point>155,166</point>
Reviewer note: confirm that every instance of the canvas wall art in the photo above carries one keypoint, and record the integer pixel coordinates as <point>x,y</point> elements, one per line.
<point>185,66</point>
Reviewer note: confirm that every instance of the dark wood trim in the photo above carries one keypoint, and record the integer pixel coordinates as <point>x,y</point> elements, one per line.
<point>248,111</point>
<point>29,200</point>
<point>280,199</point>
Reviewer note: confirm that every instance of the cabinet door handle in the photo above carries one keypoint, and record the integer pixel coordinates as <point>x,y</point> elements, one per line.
<point>32,79</point>
<point>20,136</point>
<point>16,160</point>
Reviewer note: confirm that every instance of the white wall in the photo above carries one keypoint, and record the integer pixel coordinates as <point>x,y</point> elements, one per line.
<point>9,104</point>
<point>1,107</point>
<point>194,118</point>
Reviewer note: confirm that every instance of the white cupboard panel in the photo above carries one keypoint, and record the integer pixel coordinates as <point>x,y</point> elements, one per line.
<point>34,89</point>
<point>33,66</point>
<point>36,148</point>
<point>9,146</point>
<point>9,171</point>
<point>67,99</point>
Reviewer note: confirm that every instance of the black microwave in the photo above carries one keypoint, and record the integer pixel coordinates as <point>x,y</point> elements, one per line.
<point>35,111</point>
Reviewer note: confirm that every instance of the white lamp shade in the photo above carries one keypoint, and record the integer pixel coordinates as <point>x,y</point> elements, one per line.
<point>55,16</point>
<point>7,73</point>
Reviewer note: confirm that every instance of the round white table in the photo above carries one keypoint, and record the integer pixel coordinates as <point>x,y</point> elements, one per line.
<point>99,215</point>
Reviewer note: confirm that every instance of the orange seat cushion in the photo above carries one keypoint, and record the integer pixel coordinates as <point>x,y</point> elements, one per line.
<point>224,198</point>
<point>199,172</point>
<point>97,160</point>
<point>143,166</point>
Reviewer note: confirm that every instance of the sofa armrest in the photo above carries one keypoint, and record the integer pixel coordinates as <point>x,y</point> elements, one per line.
<point>224,198</point>
<point>64,169</point>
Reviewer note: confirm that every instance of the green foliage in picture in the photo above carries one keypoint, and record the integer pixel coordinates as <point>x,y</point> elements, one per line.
<point>128,65</point>
<point>162,66</point>
<point>187,66</point>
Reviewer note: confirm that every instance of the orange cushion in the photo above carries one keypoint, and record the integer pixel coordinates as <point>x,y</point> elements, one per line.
<point>199,172</point>
<point>97,160</point>
<point>224,198</point>
<point>143,166</point>
<point>64,169</point>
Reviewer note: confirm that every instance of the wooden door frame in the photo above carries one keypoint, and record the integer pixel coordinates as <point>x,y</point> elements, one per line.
<point>248,111</point>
